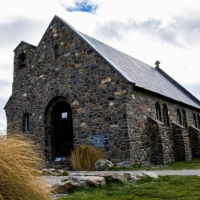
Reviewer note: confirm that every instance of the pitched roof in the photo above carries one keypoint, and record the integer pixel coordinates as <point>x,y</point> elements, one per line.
<point>139,73</point>
<point>22,42</point>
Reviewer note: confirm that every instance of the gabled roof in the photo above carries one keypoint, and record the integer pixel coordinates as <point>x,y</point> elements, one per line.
<point>143,75</point>
<point>139,73</point>
<point>22,42</point>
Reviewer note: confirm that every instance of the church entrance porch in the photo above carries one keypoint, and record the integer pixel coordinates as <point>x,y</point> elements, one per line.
<point>59,129</point>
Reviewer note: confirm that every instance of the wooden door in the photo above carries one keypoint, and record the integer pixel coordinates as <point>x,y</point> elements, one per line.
<point>63,129</point>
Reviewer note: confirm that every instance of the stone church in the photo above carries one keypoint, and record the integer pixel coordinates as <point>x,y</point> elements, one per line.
<point>73,89</point>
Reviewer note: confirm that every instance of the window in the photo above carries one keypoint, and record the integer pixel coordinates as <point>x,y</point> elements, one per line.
<point>110,98</point>
<point>184,119</point>
<point>25,122</point>
<point>165,115</point>
<point>158,111</point>
<point>56,51</point>
<point>198,121</point>
<point>194,120</point>
<point>22,61</point>
<point>179,120</point>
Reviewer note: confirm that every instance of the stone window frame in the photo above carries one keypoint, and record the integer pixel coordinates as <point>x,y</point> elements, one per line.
<point>21,60</point>
<point>26,122</point>
<point>179,118</point>
<point>165,115</point>
<point>184,119</point>
<point>194,120</point>
<point>158,111</point>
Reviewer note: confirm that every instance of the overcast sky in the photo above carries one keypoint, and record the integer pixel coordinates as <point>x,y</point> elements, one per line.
<point>149,30</point>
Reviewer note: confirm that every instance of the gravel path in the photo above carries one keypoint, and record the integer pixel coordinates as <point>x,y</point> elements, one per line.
<point>52,180</point>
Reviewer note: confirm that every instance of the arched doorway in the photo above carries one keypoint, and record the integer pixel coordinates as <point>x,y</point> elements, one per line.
<point>59,139</point>
<point>63,140</point>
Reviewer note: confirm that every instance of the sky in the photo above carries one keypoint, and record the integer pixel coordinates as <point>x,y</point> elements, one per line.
<point>149,30</point>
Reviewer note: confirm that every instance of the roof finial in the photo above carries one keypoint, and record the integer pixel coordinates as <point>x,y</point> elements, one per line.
<point>157,63</point>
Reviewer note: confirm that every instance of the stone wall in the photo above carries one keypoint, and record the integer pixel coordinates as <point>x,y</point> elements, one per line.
<point>80,76</point>
<point>145,142</point>
<point>194,136</point>
<point>162,150</point>
<point>182,149</point>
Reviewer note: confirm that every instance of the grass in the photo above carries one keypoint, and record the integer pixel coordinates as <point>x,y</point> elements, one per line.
<point>83,157</point>
<point>164,187</point>
<point>190,164</point>
<point>19,179</point>
<point>179,165</point>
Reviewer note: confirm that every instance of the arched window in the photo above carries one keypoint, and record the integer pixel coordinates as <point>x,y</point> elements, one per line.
<point>25,122</point>
<point>56,51</point>
<point>198,121</point>
<point>158,111</point>
<point>184,119</point>
<point>194,120</point>
<point>179,120</point>
<point>165,115</point>
<point>22,63</point>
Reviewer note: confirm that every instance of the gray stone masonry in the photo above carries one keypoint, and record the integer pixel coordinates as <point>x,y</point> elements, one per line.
<point>182,149</point>
<point>194,136</point>
<point>78,76</point>
<point>101,101</point>
<point>161,142</point>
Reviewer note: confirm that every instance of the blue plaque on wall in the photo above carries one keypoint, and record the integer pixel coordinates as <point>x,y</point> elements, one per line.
<point>99,140</point>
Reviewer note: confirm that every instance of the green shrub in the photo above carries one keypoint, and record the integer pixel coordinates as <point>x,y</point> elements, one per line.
<point>83,157</point>
<point>19,179</point>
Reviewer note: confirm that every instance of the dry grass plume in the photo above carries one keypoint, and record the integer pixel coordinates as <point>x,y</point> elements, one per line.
<point>19,179</point>
<point>83,157</point>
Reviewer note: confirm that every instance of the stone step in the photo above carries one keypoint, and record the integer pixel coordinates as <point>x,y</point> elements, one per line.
<point>64,167</point>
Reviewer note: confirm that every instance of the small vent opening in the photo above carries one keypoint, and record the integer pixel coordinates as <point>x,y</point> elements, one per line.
<point>56,51</point>
<point>111,99</point>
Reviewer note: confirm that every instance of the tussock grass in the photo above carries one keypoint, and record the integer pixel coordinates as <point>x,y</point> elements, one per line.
<point>19,179</point>
<point>83,157</point>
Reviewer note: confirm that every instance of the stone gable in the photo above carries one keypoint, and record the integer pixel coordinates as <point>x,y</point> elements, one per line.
<point>82,78</point>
